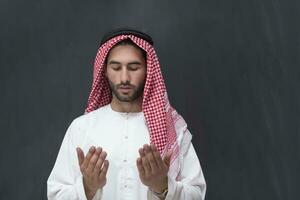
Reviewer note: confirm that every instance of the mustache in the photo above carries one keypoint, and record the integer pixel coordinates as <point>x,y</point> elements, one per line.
<point>122,85</point>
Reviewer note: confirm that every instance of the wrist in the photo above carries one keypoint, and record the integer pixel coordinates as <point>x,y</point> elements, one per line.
<point>89,192</point>
<point>161,195</point>
<point>160,188</point>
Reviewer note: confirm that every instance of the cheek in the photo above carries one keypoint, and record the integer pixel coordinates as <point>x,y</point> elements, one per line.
<point>110,75</point>
<point>140,78</point>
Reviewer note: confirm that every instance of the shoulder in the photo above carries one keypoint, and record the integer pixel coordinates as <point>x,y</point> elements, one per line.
<point>89,118</point>
<point>79,127</point>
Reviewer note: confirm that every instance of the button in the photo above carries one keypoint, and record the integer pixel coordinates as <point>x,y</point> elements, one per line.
<point>125,186</point>
<point>124,160</point>
<point>126,137</point>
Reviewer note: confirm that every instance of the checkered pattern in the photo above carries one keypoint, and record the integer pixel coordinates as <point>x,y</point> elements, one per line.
<point>159,114</point>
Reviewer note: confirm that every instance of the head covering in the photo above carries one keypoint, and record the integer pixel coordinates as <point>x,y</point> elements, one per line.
<point>126,31</point>
<point>160,117</point>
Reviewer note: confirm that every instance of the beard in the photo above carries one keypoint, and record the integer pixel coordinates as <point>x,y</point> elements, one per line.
<point>135,92</point>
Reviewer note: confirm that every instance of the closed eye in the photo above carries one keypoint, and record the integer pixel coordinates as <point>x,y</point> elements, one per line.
<point>133,68</point>
<point>116,68</point>
<point>114,65</point>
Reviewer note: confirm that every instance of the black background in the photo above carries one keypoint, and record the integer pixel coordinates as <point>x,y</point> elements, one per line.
<point>231,69</point>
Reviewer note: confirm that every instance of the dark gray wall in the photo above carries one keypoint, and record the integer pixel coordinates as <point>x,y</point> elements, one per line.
<point>231,68</point>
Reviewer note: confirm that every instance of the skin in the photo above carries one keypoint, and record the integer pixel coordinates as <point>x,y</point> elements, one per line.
<point>93,167</point>
<point>126,68</point>
<point>153,169</point>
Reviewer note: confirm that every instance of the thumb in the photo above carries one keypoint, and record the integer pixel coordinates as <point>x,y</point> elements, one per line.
<point>167,158</point>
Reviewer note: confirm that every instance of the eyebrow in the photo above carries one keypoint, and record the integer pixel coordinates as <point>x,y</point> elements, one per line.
<point>113,62</point>
<point>130,63</point>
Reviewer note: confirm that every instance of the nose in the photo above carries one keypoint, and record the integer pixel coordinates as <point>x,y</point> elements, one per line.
<point>125,78</point>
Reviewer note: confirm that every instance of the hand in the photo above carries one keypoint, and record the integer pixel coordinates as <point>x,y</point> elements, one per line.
<point>93,167</point>
<point>153,170</point>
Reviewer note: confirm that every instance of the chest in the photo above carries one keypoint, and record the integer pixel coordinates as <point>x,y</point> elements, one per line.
<point>120,137</point>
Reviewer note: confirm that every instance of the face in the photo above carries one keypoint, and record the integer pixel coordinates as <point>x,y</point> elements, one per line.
<point>126,72</point>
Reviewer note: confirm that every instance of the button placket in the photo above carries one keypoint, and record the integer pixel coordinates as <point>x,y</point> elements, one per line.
<point>125,153</point>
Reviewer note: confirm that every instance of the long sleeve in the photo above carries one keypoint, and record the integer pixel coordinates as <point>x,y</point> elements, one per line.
<point>65,180</point>
<point>121,142</point>
<point>191,186</point>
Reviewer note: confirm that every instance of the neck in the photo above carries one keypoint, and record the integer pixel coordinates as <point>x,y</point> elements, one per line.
<point>121,106</point>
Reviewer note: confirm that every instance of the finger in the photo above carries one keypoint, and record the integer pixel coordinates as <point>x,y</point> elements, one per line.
<point>104,169</point>
<point>141,152</point>
<point>99,163</point>
<point>140,167</point>
<point>145,160</point>
<point>80,155</point>
<point>146,166</point>
<point>167,158</point>
<point>93,160</point>
<point>146,149</point>
<point>157,156</point>
<point>88,157</point>
<point>151,159</point>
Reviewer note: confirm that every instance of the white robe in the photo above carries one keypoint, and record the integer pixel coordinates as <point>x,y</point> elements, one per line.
<point>120,135</point>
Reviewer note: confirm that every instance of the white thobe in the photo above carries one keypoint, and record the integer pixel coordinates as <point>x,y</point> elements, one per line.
<point>120,135</point>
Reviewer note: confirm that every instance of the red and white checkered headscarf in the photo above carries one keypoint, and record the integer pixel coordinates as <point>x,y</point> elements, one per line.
<point>159,114</point>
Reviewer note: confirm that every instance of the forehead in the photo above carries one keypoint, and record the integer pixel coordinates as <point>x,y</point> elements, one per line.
<point>124,52</point>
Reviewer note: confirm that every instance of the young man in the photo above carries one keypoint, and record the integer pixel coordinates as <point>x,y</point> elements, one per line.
<point>131,144</point>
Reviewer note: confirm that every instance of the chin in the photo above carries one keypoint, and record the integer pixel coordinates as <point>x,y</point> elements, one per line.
<point>123,98</point>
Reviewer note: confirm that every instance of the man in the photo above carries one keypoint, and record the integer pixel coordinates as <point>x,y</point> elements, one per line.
<point>131,144</point>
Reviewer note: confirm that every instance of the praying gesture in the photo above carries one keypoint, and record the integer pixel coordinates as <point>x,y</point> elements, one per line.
<point>153,170</point>
<point>93,168</point>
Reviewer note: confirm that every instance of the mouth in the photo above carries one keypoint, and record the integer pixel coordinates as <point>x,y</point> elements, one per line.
<point>125,89</point>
